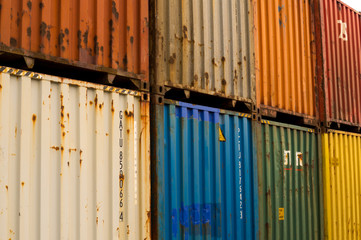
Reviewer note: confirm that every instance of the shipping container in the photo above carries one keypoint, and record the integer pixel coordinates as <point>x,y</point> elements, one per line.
<point>285,57</point>
<point>202,173</point>
<point>89,34</point>
<point>338,62</point>
<point>289,182</point>
<point>342,189</point>
<point>74,159</point>
<point>203,46</point>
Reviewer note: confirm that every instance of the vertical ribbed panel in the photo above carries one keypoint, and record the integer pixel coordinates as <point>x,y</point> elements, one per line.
<point>204,174</point>
<point>74,161</point>
<point>107,33</point>
<point>289,181</point>
<point>340,62</point>
<point>285,57</point>
<point>205,46</point>
<point>342,191</point>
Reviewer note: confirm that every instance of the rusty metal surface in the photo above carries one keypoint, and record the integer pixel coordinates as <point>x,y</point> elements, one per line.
<point>289,181</point>
<point>285,55</point>
<point>204,46</point>
<point>111,33</point>
<point>74,160</point>
<point>339,62</point>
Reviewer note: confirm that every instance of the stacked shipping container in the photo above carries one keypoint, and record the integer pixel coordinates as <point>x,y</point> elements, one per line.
<point>285,58</point>
<point>106,36</point>
<point>215,173</point>
<point>74,156</point>
<point>341,161</point>
<point>203,173</point>
<point>289,182</point>
<point>74,159</point>
<point>203,47</point>
<point>339,63</point>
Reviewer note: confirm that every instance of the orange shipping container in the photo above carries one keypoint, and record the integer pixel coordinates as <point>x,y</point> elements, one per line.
<point>101,35</point>
<point>285,57</point>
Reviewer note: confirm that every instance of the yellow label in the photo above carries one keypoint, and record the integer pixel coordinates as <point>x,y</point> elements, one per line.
<point>221,136</point>
<point>281,214</point>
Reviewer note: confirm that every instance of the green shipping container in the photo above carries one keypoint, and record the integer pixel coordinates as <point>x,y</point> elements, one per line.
<point>289,181</point>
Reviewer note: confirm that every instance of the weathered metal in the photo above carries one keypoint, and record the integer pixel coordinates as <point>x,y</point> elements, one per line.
<point>289,182</point>
<point>342,197</point>
<point>203,46</point>
<point>338,62</point>
<point>203,173</point>
<point>285,56</point>
<point>74,159</point>
<point>105,34</point>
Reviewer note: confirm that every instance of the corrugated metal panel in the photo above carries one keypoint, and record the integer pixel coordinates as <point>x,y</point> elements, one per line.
<point>203,175</point>
<point>205,46</point>
<point>339,63</point>
<point>74,161</point>
<point>342,200</point>
<point>285,55</point>
<point>110,33</point>
<point>289,180</point>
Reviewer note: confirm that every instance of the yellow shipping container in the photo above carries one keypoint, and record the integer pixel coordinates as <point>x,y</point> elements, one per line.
<point>342,176</point>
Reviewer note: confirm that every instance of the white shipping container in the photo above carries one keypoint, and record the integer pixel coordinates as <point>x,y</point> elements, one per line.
<point>74,159</point>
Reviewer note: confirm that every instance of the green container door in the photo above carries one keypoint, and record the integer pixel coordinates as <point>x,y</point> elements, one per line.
<point>289,181</point>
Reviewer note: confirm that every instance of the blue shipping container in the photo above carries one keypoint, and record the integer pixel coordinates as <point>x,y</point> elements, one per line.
<point>202,173</point>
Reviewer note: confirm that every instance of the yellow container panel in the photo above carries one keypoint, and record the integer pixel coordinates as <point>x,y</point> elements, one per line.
<point>342,176</point>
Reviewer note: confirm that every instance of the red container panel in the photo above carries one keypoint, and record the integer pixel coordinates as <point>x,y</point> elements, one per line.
<point>339,70</point>
<point>104,33</point>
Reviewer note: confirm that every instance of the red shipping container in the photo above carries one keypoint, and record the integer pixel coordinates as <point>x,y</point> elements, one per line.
<point>338,63</point>
<point>99,35</point>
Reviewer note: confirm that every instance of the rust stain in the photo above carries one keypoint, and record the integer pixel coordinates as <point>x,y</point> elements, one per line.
<point>90,102</point>
<point>128,113</point>
<point>96,100</point>
<point>16,131</point>
<point>34,118</point>
<point>107,134</point>
<point>80,162</point>
<point>55,148</point>
<point>22,184</point>
<point>72,149</point>
<point>113,107</point>
<point>97,220</point>
<point>128,231</point>
<point>7,188</point>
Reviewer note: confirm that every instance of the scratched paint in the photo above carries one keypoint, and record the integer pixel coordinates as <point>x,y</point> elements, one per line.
<point>203,179</point>
<point>73,165</point>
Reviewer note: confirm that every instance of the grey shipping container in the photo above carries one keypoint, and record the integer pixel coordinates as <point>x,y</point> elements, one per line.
<point>203,46</point>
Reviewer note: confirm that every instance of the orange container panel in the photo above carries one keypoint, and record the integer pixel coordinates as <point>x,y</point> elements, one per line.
<point>285,56</point>
<point>103,33</point>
